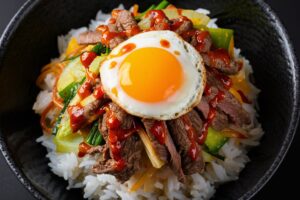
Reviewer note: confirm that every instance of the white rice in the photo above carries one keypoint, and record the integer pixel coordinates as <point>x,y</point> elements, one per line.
<point>77,171</point>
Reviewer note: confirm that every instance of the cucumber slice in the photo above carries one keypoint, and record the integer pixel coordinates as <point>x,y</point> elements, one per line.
<point>73,72</point>
<point>68,144</point>
<point>95,65</point>
<point>214,141</point>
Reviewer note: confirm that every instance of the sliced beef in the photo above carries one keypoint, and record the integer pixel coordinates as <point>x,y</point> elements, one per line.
<point>219,122</point>
<point>94,37</point>
<point>125,21</point>
<point>229,105</point>
<point>180,137</point>
<point>167,148</point>
<point>89,37</point>
<point>131,147</point>
<point>220,60</point>
<point>202,41</point>
<point>181,25</point>
<point>160,148</point>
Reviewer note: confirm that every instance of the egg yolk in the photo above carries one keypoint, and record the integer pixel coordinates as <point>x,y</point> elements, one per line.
<point>150,74</point>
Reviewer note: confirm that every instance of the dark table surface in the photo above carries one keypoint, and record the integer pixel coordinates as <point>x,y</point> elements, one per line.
<point>280,186</point>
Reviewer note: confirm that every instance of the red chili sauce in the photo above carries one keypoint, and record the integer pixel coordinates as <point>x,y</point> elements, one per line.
<point>83,149</point>
<point>158,17</point>
<point>115,136</point>
<point>159,131</point>
<point>165,43</point>
<point>211,113</point>
<point>193,149</point>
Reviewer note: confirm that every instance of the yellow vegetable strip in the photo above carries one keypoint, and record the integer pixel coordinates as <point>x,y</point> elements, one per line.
<point>154,158</point>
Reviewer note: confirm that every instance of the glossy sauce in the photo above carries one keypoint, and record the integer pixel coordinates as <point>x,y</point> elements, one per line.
<point>158,17</point>
<point>211,113</point>
<point>87,58</point>
<point>217,55</point>
<point>178,22</point>
<point>201,38</point>
<point>159,131</point>
<point>115,136</point>
<point>83,149</point>
<point>165,43</point>
<point>85,89</point>
<point>77,118</point>
<point>193,149</point>
<point>108,35</point>
<point>225,80</point>
<point>125,49</point>
<point>98,92</point>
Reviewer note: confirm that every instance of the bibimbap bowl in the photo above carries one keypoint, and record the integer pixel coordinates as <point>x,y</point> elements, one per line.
<point>30,40</point>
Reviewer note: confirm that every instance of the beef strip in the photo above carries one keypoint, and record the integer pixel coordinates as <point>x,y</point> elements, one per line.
<point>180,137</point>
<point>185,25</point>
<point>132,147</point>
<point>116,40</point>
<point>229,105</point>
<point>228,68</point>
<point>202,41</point>
<point>89,37</point>
<point>168,147</point>
<point>94,37</point>
<point>160,148</point>
<point>219,122</point>
<point>125,21</point>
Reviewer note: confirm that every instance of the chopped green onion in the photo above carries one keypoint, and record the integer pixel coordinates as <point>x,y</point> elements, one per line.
<point>100,49</point>
<point>95,137</point>
<point>162,5</point>
<point>71,94</point>
<point>141,15</point>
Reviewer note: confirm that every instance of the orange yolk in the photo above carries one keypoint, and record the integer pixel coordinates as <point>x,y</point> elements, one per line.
<point>150,74</point>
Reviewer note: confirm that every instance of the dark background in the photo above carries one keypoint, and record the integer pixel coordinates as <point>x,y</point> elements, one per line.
<point>281,186</point>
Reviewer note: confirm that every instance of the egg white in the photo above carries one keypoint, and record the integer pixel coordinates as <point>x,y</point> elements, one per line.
<point>182,101</point>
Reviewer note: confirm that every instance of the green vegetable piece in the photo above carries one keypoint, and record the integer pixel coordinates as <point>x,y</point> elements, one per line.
<point>162,5</point>
<point>100,49</point>
<point>95,137</point>
<point>71,94</point>
<point>95,65</point>
<point>68,144</point>
<point>99,139</point>
<point>214,141</point>
<point>73,72</point>
<point>141,15</point>
<point>67,92</point>
<point>221,37</point>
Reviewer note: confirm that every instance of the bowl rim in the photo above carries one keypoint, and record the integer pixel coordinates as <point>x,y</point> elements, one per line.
<point>293,125</point>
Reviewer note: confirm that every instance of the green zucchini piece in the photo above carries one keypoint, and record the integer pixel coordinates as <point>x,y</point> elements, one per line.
<point>73,72</point>
<point>221,37</point>
<point>214,141</point>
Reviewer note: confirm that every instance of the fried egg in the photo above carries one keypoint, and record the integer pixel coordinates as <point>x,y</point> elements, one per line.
<point>155,75</point>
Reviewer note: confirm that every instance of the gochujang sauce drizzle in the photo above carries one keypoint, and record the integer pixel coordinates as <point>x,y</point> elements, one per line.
<point>77,117</point>
<point>83,149</point>
<point>158,17</point>
<point>159,131</point>
<point>211,113</point>
<point>193,149</point>
<point>116,135</point>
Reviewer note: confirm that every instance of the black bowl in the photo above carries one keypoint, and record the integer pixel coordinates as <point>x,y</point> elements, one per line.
<point>30,41</point>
